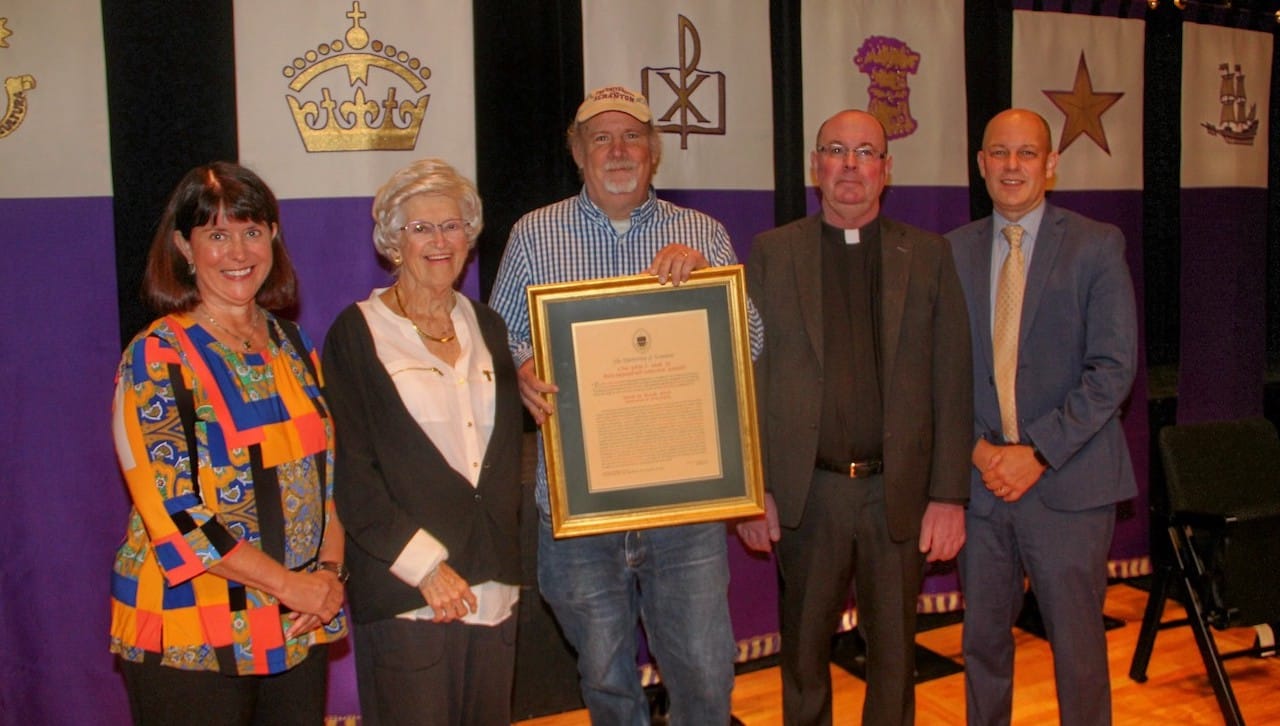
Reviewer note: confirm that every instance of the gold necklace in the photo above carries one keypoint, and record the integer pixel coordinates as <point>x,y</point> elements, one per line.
<point>395,289</point>
<point>246,342</point>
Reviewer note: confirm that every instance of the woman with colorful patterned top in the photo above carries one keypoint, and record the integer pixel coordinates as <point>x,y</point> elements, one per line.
<point>428,467</point>
<point>229,584</point>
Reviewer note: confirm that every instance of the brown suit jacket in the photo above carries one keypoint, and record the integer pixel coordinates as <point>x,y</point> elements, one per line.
<point>925,356</point>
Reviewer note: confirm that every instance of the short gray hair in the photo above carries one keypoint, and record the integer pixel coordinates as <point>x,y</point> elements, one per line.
<point>425,176</point>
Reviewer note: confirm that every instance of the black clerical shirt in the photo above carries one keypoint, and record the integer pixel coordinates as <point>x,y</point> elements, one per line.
<point>852,425</point>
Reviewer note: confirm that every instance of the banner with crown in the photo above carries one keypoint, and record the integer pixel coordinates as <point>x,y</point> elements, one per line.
<point>330,103</point>
<point>59,321</point>
<point>699,62</point>
<point>1226,84</point>
<point>334,97</point>
<point>885,59</point>
<point>1084,75</point>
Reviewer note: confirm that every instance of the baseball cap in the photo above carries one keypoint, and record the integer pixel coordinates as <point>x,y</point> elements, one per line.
<point>614,98</point>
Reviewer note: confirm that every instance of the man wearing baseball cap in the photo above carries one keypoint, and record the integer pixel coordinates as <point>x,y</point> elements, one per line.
<point>675,579</point>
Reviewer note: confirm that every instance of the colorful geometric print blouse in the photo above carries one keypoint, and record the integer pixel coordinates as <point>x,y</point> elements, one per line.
<point>264,478</point>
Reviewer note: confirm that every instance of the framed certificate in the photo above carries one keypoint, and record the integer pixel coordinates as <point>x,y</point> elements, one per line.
<point>655,420</point>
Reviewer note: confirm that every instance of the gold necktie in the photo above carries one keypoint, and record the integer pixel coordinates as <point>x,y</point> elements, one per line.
<point>1004,337</point>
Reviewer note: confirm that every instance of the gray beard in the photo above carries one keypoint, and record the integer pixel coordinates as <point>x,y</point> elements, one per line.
<point>625,187</point>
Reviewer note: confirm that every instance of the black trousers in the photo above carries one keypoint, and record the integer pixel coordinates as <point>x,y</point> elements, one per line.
<point>843,537</point>
<point>163,696</point>
<point>439,674</point>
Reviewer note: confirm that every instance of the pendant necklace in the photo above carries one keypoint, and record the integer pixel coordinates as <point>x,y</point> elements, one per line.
<point>395,289</point>
<point>246,342</point>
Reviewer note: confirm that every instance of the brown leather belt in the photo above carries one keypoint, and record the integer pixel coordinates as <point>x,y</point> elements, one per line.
<point>854,469</point>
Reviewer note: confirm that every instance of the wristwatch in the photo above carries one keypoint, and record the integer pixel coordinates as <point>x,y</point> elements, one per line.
<point>336,568</point>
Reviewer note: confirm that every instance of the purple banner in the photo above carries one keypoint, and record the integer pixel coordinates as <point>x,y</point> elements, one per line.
<point>63,499</point>
<point>744,214</point>
<point>1223,311</point>
<point>753,583</point>
<point>1132,544</point>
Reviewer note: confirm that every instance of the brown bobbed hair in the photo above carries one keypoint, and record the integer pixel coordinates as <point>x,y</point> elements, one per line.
<point>205,191</point>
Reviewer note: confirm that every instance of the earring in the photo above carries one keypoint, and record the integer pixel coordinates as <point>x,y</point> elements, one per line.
<point>191,269</point>
<point>396,259</point>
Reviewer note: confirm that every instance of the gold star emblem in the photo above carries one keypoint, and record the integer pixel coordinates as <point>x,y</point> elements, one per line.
<point>4,33</point>
<point>1083,108</point>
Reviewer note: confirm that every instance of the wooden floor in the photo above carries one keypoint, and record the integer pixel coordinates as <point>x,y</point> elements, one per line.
<point>1177,691</point>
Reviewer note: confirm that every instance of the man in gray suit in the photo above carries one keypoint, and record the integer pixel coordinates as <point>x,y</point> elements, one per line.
<point>1054,340</point>
<point>865,404</point>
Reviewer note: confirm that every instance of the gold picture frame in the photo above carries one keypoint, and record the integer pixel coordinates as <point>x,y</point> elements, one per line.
<point>655,419</point>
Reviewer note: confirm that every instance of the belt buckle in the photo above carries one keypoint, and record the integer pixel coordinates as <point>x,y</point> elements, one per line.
<point>853,469</point>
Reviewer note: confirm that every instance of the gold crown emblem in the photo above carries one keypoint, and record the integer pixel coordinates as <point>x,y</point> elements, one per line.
<point>357,124</point>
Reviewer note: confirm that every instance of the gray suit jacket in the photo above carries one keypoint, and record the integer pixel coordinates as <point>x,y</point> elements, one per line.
<point>925,357</point>
<point>1077,353</point>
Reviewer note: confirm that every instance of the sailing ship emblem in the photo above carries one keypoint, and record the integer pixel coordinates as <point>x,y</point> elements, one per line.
<point>1235,126</point>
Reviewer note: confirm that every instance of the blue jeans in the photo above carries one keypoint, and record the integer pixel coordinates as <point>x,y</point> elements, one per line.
<point>673,579</point>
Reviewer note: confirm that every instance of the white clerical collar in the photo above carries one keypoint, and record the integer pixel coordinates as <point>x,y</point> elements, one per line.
<point>852,236</point>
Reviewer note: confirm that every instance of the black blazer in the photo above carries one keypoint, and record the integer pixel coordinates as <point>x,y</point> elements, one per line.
<point>927,390</point>
<point>390,480</point>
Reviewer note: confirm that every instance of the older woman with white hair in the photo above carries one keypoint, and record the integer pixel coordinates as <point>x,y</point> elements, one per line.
<point>428,423</point>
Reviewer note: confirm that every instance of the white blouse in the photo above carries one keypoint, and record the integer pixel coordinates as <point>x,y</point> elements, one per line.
<point>454,405</point>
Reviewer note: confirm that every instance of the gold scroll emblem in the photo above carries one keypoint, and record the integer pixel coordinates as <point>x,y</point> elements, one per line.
<point>15,91</point>
<point>355,123</point>
<point>682,82</point>
<point>887,62</point>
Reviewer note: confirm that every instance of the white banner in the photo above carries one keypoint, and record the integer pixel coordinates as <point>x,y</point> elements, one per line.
<point>1084,74</point>
<point>705,66</point>
<point>53,135</point>
<point>334,96</point>
<point>1226,83</point>
<point>902,61</point>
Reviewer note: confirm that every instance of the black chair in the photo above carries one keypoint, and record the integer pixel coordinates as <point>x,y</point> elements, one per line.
<point>1223,522</point>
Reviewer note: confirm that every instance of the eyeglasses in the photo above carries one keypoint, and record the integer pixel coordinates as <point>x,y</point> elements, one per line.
<point>862,153</point>
<point>452,229</point>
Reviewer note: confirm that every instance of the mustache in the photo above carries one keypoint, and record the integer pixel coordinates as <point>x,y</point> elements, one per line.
<point>620,166</point>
